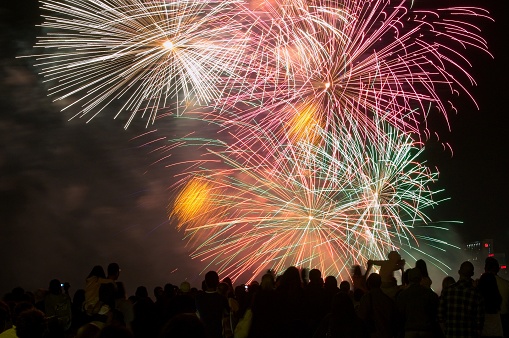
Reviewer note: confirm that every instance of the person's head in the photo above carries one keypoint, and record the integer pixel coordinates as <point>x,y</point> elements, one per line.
<point>414,276</point>
<point>31,323</point>
<point>394,256</point>
<point>330,282</point>
<point>141,292</point>
<point>185,287</point>
<point>55,287</point>
<point>291,278</point>
<point>421,265</point>
<point>211,280</point>
<point>344,286</point>
<point>466,270</point>
<point>374,281</point>
<point>491,265</point>
<point>315,275</point>
<point>113,271</point>
<point>97,271</point>
<point>267,282</point>
<point>222,289</point>
<point>356,270</point>
<point>447,281</point>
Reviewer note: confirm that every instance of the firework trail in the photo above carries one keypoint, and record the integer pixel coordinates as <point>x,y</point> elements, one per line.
<point>245,208</point>
<point>367,57</point>
<point>148,54</point>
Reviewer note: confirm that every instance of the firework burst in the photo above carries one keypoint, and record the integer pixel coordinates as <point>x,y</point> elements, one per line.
<point>349,199</point>
<point>150,54</point>
<point>364,57</point>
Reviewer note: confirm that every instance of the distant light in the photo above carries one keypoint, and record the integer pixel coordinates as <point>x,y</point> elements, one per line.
<point>168,44</point>
<point>503,266</point>
<point>491,255</point>
<point>486,245</point>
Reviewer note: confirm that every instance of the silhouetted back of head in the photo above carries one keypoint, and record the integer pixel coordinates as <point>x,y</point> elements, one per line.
<point>267,282</point>
<point>374,281</point>
<point>414,276</point>
<point>113,270</point>
<point>31,324</point>
<point>394,256</point>
<point>491,265</point>
<point>55,287</point>
<point>421,265</point>
<point>291,278</point>
<point>330,282</point>
<point>211,280</point>
<point>466,269</point>
<point>315,275</point>
<point>447,281</point>
<point>141,292</point>
<point>344,286</point>
<point>97,271</point>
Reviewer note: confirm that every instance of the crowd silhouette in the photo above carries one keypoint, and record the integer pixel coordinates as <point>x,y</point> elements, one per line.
<point>296,304</point>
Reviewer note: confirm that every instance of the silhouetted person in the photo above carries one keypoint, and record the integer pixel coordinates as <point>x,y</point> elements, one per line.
<point>461,310</point>
<point>31,324</point>
<point>330,286</point>
<point>491,265</point>
<point>487,287</point>
<point>264,323</point>
<point>113,271</point>
<point>341,321</point>
<point>377,310</point>
<point>57,307</point>
<point>421,265</point>
<point>387,268</point>
<point>291,311</point>
<point>211,306</point>
<point>418,308</point>
<point>317,304</point>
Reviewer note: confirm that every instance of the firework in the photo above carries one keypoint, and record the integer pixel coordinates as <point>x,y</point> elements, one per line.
<point>351,198</point>
<point>139,55</point>
<point>364,57</point>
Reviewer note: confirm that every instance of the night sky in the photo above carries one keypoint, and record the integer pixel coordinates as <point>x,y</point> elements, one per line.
<point>74,195</point>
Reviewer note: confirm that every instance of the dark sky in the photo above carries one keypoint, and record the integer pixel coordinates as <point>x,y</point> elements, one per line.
<point>73,195</point>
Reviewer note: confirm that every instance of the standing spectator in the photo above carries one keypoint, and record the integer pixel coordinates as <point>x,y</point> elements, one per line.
<point>57,307</point>
<point>491,265</point>
<point>418,307</point>
<point>113,272</point>
<point>341,321</point>
<point>421,265</point>
<point>387,268</point>
<point>461,309</point>
<point>211,306</point>
<point>92,284</point>
<point>487,286</point>
<point>377,310</point>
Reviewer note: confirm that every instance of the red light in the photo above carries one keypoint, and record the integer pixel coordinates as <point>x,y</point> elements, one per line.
<point>491,255</point>
<point>486,245</point>
<point>503,266</point>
